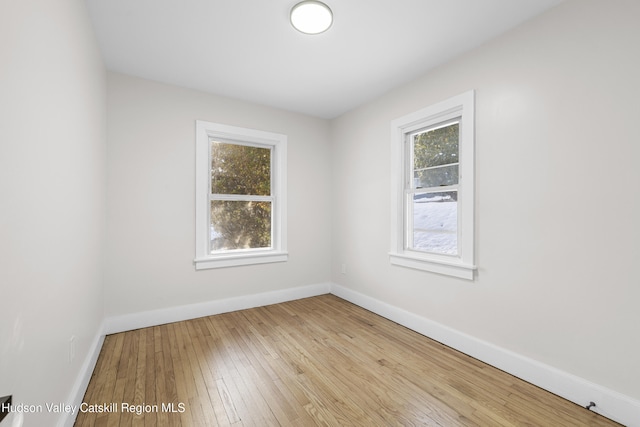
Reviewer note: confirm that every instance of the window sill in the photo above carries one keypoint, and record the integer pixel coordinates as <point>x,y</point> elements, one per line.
<point>448,268</point>
<point>233,260</point>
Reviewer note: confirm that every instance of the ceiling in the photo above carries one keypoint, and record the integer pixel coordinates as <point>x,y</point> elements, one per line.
<point>246,49</point>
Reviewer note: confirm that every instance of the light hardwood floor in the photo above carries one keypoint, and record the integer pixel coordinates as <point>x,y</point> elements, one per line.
<point>316,361</point>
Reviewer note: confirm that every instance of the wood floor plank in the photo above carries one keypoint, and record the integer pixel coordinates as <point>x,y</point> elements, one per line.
<point>150,379</point>
<point>197,373</point>
<point>131,353</point>
<point>318,361</point>
<point>216,358</point>
<point>180,382</point>
<point>260,353</point>
<point>96,386</point>
<point>202,351</point>
<point>340,345</point>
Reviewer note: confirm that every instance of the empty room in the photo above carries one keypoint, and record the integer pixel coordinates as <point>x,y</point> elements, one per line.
<point>301,213</point>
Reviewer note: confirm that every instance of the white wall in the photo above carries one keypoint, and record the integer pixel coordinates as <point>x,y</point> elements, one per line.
<point>52,194</point>
<point>151,205</point>
<point>557,198</point>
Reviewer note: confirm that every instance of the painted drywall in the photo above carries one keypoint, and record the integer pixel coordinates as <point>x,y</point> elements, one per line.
<point>556,194</point>
<point>151,198</point>
<point>52,196</point>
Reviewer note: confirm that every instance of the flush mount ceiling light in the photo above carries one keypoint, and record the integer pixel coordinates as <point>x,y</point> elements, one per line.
<point>311,17</point>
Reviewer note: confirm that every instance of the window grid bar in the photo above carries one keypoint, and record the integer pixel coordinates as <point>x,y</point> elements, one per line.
<point>241,198</point>
<point>441,189</point>
<point>436,167</point>
<point>434,231</point>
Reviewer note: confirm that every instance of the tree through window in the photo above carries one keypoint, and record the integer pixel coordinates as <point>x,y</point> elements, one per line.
<point>240,196</point>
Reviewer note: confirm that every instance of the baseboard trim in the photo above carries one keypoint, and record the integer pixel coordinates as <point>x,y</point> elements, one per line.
<point>611,404</point>
<point>128,322</point>
<point>82,380</point>
<point>115,324</point>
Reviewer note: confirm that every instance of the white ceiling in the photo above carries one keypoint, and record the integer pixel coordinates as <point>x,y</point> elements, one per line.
<point>247,49</point>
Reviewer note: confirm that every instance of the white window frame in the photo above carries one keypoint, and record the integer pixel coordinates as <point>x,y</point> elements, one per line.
<point>461,265</point>
<point>205,132</point>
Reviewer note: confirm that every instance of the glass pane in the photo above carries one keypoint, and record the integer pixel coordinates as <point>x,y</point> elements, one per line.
<point>436,147</point>
<point>240,225</point>
<point>435,222</point>
<point>240,169</point>
<point>435,177</point>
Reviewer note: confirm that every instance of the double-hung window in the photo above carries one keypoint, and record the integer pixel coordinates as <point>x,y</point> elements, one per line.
<point>240,196</point>
<point>433,188</point>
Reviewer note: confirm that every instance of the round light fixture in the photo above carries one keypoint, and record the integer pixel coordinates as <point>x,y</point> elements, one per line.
<point>311,17</point>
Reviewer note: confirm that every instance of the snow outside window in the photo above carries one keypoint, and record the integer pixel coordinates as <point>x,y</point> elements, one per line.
<point>432,191</point>
<point>240,196</point>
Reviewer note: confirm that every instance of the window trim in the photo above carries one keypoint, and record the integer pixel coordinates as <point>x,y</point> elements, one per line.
<point>205,131</point>
<point>461,265</point>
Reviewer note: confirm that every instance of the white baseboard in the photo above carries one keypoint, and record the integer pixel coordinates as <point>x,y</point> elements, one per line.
<point>611,404</point>
<point>128,322</point>
<point>82,381</point>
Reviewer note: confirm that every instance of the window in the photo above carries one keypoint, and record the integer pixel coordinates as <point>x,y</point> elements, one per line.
<point>433,188</point>
<point>240,196</point>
